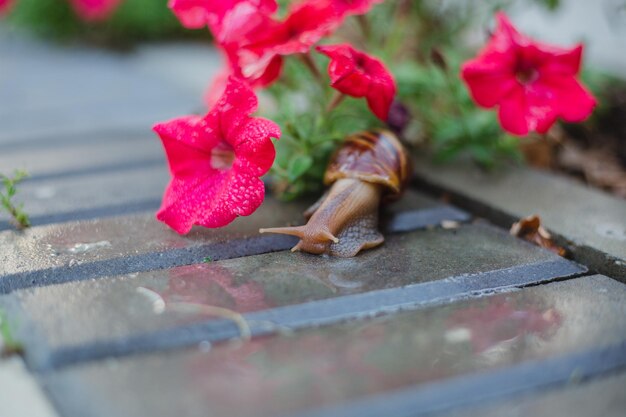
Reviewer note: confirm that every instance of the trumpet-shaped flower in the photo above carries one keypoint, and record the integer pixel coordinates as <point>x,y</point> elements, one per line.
<point>5,6</point>
<point>94,10</point>
<point>306,23</point>
<point>532,84</point>
<point>357,74</point>
<point>216,161</point>
<point>353,7</point>
<point>196,14</point>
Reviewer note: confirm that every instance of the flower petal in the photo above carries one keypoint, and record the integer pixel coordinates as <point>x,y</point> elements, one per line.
<point>573,101</point>
<point>188,142</point>
<point>254,150</point>
<point>358,74</point>
<point>233,108</point>
<point>489,80</point>
<point>512,112</point>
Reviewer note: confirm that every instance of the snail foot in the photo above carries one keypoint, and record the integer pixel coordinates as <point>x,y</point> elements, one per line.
<point>360,235</point>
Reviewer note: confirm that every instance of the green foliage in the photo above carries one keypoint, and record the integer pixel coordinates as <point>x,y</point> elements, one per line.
<point>7,192</point>
<point>134,20</point>
<point>446,117</point>
<point>310,132</point>
<point>8,343</point>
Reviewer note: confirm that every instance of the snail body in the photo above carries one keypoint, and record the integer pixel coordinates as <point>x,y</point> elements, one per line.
<point>368,168</point>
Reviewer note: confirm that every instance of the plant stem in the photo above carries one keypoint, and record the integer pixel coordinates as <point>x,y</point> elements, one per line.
<point>338,97</point>
<point>365,26</point>
<point>310,64</point>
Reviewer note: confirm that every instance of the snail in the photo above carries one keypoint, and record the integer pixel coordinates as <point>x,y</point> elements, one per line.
<point>369,168</point>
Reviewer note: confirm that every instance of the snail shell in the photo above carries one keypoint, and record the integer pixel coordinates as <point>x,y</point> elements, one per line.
<point>368,168</point>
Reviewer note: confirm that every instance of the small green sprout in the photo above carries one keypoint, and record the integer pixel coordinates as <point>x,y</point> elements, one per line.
<point>8,344</point>
<point>7,192</point>
<point>207,260</point>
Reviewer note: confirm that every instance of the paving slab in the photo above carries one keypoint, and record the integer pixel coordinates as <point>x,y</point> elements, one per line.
<point>134,312</point>
<point>592,223</point>
<point>20,394</point>
<point>406,364</point>
<point>92,196</point>
<point>85,90</point>
<point>601,397</point>
<point>81,157</point>
<point>126,244</point>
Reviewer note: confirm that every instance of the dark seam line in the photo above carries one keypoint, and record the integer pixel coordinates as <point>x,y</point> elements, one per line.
<point>146,262</point>
<point>40,141</point>
<point>318,313</point>
<point>91,213</point>
<point>480,388</point>
<point>594,258</point>
<point>101,169</point>
<point>405,221</point>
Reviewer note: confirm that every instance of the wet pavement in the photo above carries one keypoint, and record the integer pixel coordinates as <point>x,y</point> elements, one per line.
<point>120,316</point>
<point>343,363</point>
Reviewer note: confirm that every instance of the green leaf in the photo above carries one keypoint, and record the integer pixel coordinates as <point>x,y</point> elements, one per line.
<point>298,166</point>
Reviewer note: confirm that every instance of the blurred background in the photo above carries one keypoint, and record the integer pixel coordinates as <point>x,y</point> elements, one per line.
<point>79,93</point>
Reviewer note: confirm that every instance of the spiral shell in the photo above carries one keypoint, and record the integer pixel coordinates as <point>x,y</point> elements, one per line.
<point>373,156</point>
<point>368,168</point>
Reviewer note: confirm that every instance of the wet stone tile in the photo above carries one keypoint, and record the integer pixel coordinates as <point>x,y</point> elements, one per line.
<point>81,90</point>
<point>92,196</point>
<point>589,220</point>
<point>80,157</point>
<point>337,364</point>
<point>119,309</point>
<point>109,246</point>
<point>598,397</point>
<point>20,395</point>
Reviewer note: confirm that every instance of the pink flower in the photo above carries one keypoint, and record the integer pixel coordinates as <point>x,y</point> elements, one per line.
<point>5,6</point>
<point>357,74</point>
<point>353,7</point>
<point>532,83</point>
<point>196,14</point>
<point>94,10</point>
<point>216,161</point>
<point>306,23</point>
<point>236,29</point>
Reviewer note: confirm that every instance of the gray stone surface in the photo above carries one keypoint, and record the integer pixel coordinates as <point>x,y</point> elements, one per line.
<point>49,91</point>
<point>91,196</point>
<point>112,152</point>
<point>603,397</point>
<point>20,394</point>
<point>76,250</point>
<point>335,364</point>
<point>77,243</point>
<point>124,305</point>
<point>593,223</point>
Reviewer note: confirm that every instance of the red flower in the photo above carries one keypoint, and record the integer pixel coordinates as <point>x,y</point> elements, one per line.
<point>359,75</point>
<point>94,10</point>
<point>216,161</point>
<point>532,83</point>
<point>306,23</point>
<point>258,69</point>
<point>234,32</point>
<point>5,6</point>
<point>353,7</point>
<point>196,14</point>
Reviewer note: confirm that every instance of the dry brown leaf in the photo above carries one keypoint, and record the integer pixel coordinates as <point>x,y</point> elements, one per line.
<point>530,229</point>
<point>600,167</point>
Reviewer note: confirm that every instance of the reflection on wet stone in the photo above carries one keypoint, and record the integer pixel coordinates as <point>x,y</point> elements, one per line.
<point>113,308</point>
<point>50,254</point>
<point>338,363</point>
